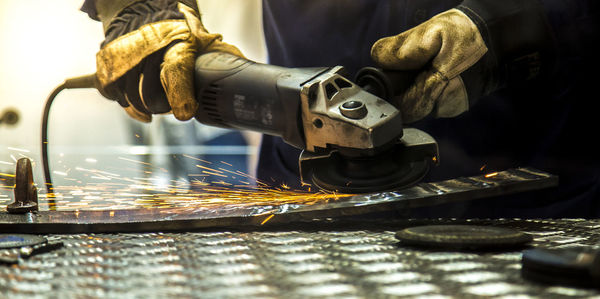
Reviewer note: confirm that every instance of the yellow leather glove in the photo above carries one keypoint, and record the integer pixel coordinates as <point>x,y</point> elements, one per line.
<point>151,68</point>
<point>441,48</point>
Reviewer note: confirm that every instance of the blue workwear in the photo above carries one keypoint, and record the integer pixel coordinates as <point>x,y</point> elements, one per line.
<point>547,124</point>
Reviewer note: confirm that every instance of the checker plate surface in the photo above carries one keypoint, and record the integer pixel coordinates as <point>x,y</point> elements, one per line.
<point>313,260</point>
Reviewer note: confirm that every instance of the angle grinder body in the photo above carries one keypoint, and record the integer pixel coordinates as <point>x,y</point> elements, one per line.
<point>353,139</point>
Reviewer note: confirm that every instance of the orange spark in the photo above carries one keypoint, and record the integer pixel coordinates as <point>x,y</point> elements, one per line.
<point>194,158</point>
<point>267,219</point>
<point>134,161</point>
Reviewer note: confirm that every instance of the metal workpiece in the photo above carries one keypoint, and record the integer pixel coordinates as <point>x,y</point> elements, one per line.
<point>360,259</point>
<point>338,113</point>
<point>261,214</point>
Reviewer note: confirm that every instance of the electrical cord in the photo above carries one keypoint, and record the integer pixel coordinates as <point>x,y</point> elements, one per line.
<point>87,81</point>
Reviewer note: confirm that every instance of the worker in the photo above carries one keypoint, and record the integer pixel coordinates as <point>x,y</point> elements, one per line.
<point>500,84</point>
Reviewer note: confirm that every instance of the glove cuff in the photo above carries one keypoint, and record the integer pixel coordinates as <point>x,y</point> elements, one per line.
<point>519,38</point>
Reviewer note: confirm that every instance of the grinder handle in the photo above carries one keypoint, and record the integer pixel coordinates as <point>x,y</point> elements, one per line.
<point>385,83</point>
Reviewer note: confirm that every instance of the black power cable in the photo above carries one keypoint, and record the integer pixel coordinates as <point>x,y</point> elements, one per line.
<point>87,81</point>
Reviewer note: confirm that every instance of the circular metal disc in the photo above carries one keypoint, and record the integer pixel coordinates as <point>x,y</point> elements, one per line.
<point>471,237</point>
<point>20,240</point>
<point>406,175</point>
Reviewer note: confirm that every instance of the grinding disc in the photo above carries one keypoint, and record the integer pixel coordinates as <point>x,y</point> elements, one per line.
<point>401,177</point>
<point>20,240</point>
<point>397,165</point>
<point>470,237</point>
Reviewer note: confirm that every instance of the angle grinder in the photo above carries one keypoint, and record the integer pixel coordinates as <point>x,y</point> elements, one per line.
<point>353,140</point>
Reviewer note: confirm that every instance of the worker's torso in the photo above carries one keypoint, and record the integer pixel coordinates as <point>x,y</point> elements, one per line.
<point>505,130</point>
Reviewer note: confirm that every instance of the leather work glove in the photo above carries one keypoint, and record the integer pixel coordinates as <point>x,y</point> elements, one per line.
<point>465,53</point>
<point>147,60</point>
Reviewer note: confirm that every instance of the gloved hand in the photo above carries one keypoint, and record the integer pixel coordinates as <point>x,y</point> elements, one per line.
<point>443,47</point>
<point>465,53</point>
<point>147,61</point>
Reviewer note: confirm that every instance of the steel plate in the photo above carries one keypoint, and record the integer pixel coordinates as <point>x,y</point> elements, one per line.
<point>188,217</point>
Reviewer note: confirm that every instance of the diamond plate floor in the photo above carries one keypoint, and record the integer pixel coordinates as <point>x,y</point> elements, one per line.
<point>348,260</point>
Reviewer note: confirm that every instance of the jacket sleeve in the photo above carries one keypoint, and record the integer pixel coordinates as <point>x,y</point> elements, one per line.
<point>574,24</point>
<point>534,39</point>
<point>89,7</point>
<point>107,10</point>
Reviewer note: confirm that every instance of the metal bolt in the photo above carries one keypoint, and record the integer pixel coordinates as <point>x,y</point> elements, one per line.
<point>26,199</point>
<point>353,109</point>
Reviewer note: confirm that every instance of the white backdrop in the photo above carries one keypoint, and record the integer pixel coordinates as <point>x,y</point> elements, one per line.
<point>44,42</point>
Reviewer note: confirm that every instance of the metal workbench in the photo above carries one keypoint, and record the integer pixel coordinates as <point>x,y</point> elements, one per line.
<point>325,258</point>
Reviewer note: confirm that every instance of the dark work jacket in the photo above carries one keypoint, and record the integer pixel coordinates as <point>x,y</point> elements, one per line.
<point>547,124</point>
